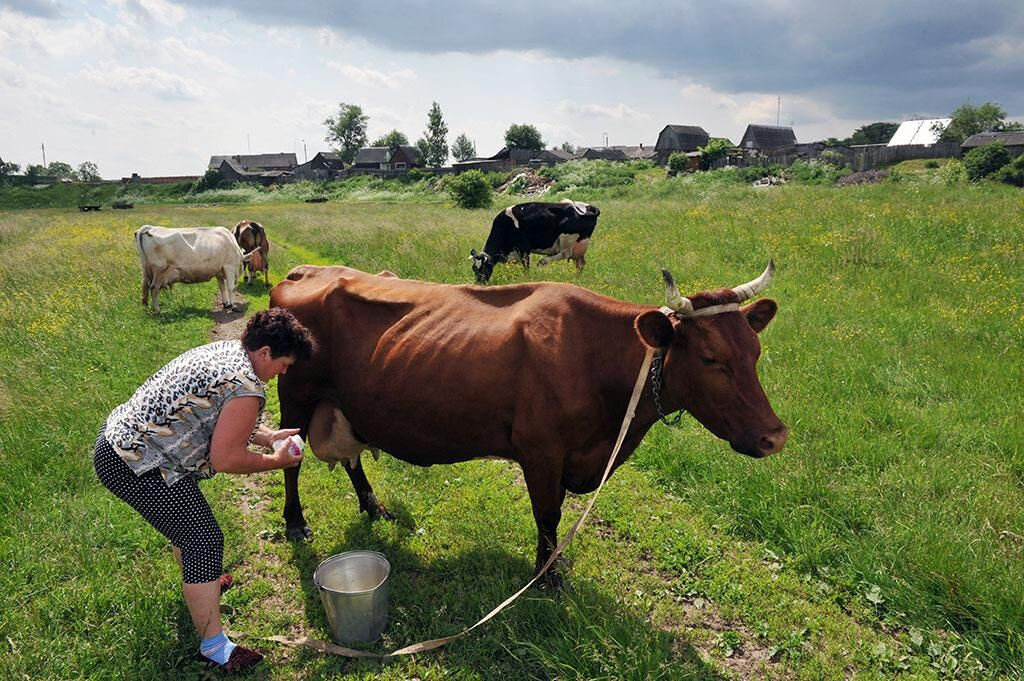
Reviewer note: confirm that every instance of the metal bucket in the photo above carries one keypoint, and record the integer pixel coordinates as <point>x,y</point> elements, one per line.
<point>354,591</point>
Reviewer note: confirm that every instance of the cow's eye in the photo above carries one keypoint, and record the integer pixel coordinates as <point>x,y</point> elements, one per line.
<point>708,360</point>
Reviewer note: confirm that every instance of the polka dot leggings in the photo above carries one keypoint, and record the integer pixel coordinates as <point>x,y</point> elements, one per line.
<point>179,512</point>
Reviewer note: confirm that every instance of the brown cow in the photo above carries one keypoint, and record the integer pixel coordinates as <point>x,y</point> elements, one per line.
<point>250,236</point>
<point>538,373</point>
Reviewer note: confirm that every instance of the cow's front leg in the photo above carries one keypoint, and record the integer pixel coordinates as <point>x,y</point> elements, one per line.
<point>546,496</point>
<point>367,499</point>
<point>295,523</point>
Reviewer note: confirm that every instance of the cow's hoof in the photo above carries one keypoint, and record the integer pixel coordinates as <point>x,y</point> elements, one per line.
<point>299,534</point>
<point>552,580</point>
<point>378,511</point>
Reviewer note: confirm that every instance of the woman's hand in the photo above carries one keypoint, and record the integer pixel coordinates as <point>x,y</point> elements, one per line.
<point>267,437</point>
<point>229,451</point>
<point>283,457</point>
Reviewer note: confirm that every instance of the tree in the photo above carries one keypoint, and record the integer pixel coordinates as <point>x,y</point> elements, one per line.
<point>7,168</point>
<point>463,148</point>
<point>88,172</point>
<point>59,169</point>
<point>568,148</point>
<point>523,136</point>
<point>391,140</point>
<point>716,148</point>
<point>434,150</point>
<point>969,120</point>
<point>872,133</point>
<point>35,170</point>
<point>347,131</point>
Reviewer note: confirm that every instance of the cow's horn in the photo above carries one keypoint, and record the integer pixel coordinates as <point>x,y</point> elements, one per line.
<point>673,298</point>
<point>752,288</point>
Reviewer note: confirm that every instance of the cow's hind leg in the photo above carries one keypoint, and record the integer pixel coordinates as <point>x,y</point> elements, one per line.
<point>367,499</point>
<point>546,496</point>
<point>332,440</point>
<point>227,294</point>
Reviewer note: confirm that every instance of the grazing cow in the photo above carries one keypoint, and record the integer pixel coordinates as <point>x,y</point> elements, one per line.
<point>190,255</point>
<point>560,231</point>
<point>537,373</point>
<point>251,236</point>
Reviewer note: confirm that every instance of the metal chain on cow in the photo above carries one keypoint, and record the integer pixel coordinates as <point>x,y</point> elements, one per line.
<point>325,647</point>
<point>656,364</point>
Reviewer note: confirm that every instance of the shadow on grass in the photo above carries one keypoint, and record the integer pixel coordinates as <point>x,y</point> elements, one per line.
<point>579,632</point>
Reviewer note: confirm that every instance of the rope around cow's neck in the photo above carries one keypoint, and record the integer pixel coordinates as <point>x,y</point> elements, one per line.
<point>325,647</point>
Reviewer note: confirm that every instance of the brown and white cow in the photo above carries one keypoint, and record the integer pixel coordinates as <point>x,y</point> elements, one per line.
<point>538,373</point>
<point>251,236</point>
<point>188,255</point>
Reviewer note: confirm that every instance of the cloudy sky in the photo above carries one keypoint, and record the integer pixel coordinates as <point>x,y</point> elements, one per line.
<point>157,86</point>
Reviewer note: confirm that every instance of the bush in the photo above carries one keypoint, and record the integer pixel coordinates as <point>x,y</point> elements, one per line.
<point>678,163</point>
<point>470,189</point>
<point>932,164</point>
<point>592,174</point>
<point>716,148</point>
<point>1012,172</point>
<point>953,172</point>
<point>211,179</point>
<point>815,172</point>
<point>833,158</point>
<point>982,161</point>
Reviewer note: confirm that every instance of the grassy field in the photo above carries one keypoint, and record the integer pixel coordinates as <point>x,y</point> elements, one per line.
<point>884,542</point>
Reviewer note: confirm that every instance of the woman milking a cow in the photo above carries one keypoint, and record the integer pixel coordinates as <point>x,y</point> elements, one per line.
<point>191,419</point>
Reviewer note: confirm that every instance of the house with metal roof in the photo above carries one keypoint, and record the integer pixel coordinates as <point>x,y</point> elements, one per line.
<point>323,166</point>
<point>372,157</point>
<point>924,131</point>
<point>1013,140</point>
<point>767,137</point>
<point>673,138</point>
<point>256,162</point>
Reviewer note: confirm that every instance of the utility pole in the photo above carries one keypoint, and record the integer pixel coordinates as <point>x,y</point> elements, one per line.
<point>778,110</point>
<point>305,156</point>
<point>248,147</point>
<point>43,147</point>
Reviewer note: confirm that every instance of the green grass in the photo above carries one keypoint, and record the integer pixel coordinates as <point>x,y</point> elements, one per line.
<point>883,542</point>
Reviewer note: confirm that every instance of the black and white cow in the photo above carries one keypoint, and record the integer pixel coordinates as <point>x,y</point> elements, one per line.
<point>560,231</point>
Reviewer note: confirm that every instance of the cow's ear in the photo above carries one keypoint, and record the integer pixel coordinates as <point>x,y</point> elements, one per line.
<point>759,314</point>
<point>654,329</point>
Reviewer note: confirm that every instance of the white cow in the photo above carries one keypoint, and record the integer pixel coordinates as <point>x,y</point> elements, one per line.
<point>188,255</point>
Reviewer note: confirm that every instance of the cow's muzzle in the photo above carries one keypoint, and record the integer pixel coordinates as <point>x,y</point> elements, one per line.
<point>765,445</point>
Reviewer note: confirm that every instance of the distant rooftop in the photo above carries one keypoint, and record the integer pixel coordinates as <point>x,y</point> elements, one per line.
<point>918,132</point>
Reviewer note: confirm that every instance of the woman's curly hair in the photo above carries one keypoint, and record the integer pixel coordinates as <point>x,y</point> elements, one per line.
<point>281,331</point>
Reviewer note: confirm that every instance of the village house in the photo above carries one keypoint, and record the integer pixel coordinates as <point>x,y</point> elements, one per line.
<point>263,168</point>
<point>1013,140</point>
<point>767,138</point>
<point>324,166</point>
<point>673,138</point>
<point>924,131</point>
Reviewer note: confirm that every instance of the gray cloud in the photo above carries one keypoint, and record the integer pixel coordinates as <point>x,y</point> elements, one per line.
<point>46,9</point>
<point>868,58</point>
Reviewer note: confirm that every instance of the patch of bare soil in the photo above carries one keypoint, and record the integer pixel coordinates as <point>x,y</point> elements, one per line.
<point>864,177</point>
<point>254,501</point>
